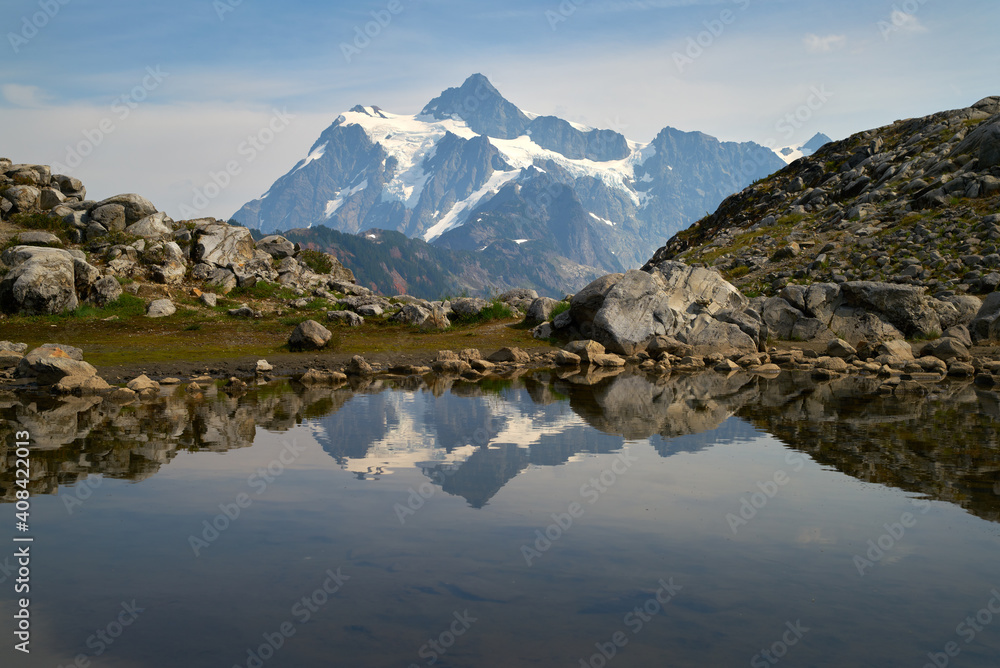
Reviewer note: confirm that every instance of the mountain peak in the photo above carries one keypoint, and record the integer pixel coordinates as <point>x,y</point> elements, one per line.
<point>818,141</point>
<point>481,106</point>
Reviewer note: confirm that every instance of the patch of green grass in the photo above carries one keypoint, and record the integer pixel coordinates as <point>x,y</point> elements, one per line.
<point>119,238</point>
<point>560,308</point>
<point>316,261</point>
<point>736,272</point>
<point>791,219</point>
<point>742,241</point>
<point>929,336</point>
<point>194,327</point>
<point>495,310</point>
<point>126,306</point>
<point>10,243</point>
<point>263,290</point>
<point>38,221</point>
<point>318,304</point>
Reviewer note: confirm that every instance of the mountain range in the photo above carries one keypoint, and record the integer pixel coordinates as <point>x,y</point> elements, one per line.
<point>493,189</point>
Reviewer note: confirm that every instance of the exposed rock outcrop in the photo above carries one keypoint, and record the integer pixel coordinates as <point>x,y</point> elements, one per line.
<point>627,312</point>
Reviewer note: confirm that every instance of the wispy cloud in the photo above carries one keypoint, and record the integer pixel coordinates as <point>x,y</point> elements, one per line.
<point>906,22</point>
<point>824,43</point>
<point>23,96</point>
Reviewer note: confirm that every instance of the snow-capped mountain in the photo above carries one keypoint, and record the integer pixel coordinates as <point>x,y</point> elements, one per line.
<point>472,169</point>
<point>792,153</point>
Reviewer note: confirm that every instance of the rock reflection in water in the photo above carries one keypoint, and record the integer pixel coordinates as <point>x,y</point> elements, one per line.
<point>471,439</point>
<point>945,445</point>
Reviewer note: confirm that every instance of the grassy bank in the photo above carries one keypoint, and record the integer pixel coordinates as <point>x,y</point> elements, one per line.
<point>193,335</point>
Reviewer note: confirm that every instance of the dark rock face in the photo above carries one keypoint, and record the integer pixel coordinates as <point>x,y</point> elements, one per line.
<point>983,143</point>
<point>560,136</point>
<point>482,106</point>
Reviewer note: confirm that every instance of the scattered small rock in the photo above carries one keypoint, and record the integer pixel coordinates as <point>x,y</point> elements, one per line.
<point>160,308</point>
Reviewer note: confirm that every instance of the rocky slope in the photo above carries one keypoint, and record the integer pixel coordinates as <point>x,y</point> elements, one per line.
<point>389,262</point>
<point>914,203</point>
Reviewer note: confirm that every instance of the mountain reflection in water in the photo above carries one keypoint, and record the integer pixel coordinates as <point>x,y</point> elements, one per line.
<point>472,439</point>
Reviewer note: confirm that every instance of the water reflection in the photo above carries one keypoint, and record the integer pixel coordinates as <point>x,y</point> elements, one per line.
<point>496,465</point>
<point>473,439</point>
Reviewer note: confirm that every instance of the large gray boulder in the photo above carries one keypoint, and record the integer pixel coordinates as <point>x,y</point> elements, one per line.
<point>540,310</point>
<point>70,186</point>
<point>50,363</point>
<point>625,312</point>
<point>860,311</point>
<point>160,308</point>
<point>781,317</point>
<point>855,325</point>
<point>105,290</point>
<point>983,143</point>
<point>171,266</point>
<point>749,323</point>
<point>821,301</point>
<point>84,277</point>
<point>260,268</point>
<point>111,216</point>
<point>309,335</point>
<point>41,281</point>
<point>519,298</point>
<point>152,226</point>
<point>349,318</point>
<point>136,207</point>
<point>38,238</point>
<point>906,307</point>
<point>433,317</point>
<point>222,280</point>
<point>986,324</point>
<point>50,198</point>
<point>276,246</point>
<point>587,302</point>
<point>967,307</point>
<point>467,307</point>
<point>24,198</point>
<point>947,348</point>
<point>707,333</point>
<point>696,290</point>
<point>223,245</point>
<point>635,310</point>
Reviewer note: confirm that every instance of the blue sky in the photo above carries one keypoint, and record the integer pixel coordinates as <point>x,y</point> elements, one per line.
<point>164,95</point>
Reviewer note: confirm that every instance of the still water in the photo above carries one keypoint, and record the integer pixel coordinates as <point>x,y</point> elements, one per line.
<point>540,521</point>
